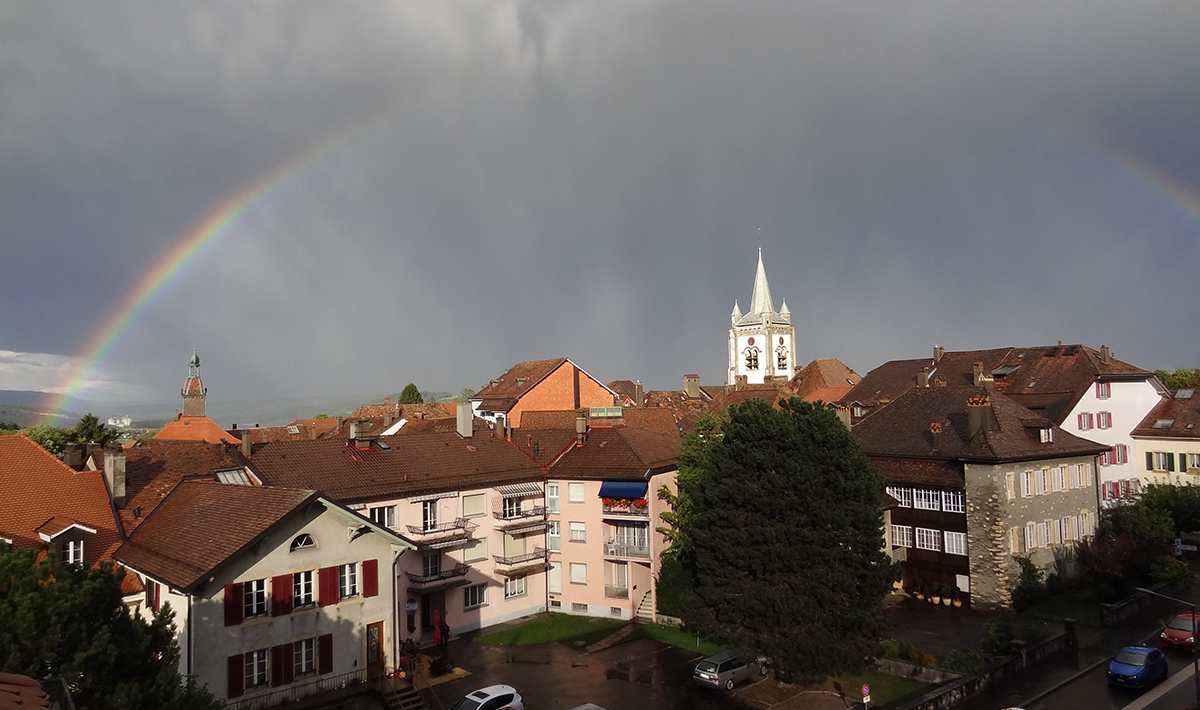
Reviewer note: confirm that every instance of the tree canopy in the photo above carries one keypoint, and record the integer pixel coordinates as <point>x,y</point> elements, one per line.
<point>89,430</point>
<point>1178,379</point>
<point>779,528</point>
<point>51,438</point>
<point>62,620</point>
<point>410,395</point>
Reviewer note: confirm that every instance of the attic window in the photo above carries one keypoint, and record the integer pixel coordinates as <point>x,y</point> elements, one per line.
<point>383,445</point>
<point>233,476</point>
<point>302,541</point>
<point>1031,383</point>
<point>603,443</point>
<point>1184,393</point>
<point>472,449</point>
<point>1163,423</point>
<point>1047,435</point>
<point>293,429</point>
<point>72,552</point>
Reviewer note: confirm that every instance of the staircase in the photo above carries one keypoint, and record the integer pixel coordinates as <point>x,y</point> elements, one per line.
<point>645,610</point>
<point>404,697</point>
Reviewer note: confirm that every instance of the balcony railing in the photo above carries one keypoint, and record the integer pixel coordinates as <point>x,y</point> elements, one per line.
<point>458,525</point>
<point>627,508</point>
<point>538,554</point>
<point>622,549</point>
<point>616,592</point>
<point>457,570</point>
<point>296,692</point>
<point>502,512</point>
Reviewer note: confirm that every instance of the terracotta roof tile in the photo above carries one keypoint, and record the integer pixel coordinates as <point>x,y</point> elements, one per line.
<point>1178,418</point>
<point>19,692</point>
<point>822,374</point>
<point>38,487</point>
<point>200,525</point>
<point>649,418</point>
<point>195,429</point>
<point>502,393</point>
<point>619,453</point>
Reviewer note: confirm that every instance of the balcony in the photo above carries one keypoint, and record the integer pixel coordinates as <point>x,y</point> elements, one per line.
<point>518,565</point>
<point>439,535</point>
<point>623,549</point>
<point>500,511</point>
<point>616,592</point>
<point>442,578</point>
<point>625,507</point>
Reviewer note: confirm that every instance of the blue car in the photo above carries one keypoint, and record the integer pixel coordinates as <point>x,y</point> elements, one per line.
<point>1138,667</point>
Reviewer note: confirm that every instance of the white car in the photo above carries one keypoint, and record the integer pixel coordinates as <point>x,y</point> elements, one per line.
<point>493,697</point>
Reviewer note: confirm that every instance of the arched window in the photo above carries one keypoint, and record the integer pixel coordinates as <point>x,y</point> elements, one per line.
<point>781,358</point>
<point>302,541</point>
<point>752,358</point>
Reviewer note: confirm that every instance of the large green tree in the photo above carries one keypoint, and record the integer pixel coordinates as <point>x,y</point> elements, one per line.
<point>782,538</point>
<point>410,395</point>
<point>51,438</point>
<point>62,620</point>
<point>90,430</point>
<point>1179,379</point>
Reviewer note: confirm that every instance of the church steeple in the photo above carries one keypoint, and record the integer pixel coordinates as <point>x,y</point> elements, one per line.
<point>762,342</point>
<point>761,301</point>
<point>193,391</point>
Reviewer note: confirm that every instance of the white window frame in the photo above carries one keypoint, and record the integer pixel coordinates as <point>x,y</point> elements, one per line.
<point>431,513</point>
<point>1030,537</point>
<point>928,539</point>
<point>302,589</point>
<point>578,572</point>
<point>577,531</point>
<point>304,657</point>
<point>72,552</point>
<point>1088,479</point>
<point>576,493</point>
<point>384,515</point>
<point>956,543</point>
<point>1104,420</point>
<point>255,672</point>
<point>925,499</point>
<point>254,598</point>
<point>514,587</point>
<point>1040,483</point>
<point>469,550</point>
<point>552,497</point>
<point>1103,390</point>
<point>554,535</point>
<point>902,536</point>
<point>1026,484</point>
<point>431,564</point>
<point>1043,534</point>
<point>1193,461</point>
<point>1046,435</point>
<point>1076,475</point>
<point>475,596</point>
<point>1085,421</point>
<point>348,581</point>
<point>954,501</point>
<point>1161,459</point>
<point>903,496</point>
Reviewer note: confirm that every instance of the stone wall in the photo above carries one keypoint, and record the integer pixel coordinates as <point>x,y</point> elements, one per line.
<point>1116,613</point>
<point>993,572</point>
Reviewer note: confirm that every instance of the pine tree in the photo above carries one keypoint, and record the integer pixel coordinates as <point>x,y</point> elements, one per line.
<point>90,430</point>
<point>410,395</point>
<point>783,539</point>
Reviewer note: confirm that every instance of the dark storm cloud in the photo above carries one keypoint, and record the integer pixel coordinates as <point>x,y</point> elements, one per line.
<point>504,181</point>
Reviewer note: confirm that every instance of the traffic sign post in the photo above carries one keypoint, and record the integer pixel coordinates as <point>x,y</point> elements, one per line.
<point>866,690</point>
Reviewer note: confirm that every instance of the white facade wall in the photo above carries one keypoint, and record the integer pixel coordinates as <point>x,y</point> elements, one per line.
<point>1127,404</point>
<point>1185,452</point>
<point>767,339</point>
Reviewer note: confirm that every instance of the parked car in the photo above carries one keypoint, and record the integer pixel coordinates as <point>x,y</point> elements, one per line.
<point>725,669</point>
<point>1181,633</point>
<point>1137,667</point>
<point>493,697</point>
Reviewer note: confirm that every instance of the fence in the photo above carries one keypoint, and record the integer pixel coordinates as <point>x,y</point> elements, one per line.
<point>1122,610</point>
<point>320,685</point>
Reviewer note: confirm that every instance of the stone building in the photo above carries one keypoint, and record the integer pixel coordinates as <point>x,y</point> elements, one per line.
<point>762,342</point>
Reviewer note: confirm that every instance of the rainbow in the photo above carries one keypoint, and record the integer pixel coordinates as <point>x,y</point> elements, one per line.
<point>1154,177</point>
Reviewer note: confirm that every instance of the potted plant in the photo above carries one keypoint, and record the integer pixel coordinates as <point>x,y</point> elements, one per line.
<point>919,590</point>
<point>935,593</point>
<point>946,592</point>
<point>954,590</point>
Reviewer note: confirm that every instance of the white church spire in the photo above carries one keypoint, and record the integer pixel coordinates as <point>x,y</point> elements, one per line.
<point>737,312</point>
<point>761,301</point>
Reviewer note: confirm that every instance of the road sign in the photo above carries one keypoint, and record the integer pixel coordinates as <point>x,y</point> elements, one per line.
<point>866,690</point>
<point>866,699</point>
<point>1188,548</point>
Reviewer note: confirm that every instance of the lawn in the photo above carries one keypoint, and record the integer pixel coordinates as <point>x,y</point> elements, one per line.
<point>1076,603</point>
<point>885,689</point>
<point>556,627</point>
<point>679,637</point>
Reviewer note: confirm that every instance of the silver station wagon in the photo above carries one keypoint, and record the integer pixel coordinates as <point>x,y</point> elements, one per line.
<point>725,670</point>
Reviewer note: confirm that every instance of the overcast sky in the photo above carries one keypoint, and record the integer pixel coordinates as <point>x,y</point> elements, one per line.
<point>477,183</point>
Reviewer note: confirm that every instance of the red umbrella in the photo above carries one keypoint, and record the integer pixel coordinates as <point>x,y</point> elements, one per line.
<point>437,626</point>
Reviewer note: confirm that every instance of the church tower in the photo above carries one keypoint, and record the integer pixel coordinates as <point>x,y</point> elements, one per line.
<point>762,343</point>
<point>193,390</point>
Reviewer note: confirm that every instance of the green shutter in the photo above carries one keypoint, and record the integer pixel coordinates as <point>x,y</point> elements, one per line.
<point>1170,461</point>
<point>1183,463</point>
<point>1149,461</point>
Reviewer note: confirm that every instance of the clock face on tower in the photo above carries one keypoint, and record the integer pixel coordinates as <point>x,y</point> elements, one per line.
<point>781,340</point>
<point>751,341</point>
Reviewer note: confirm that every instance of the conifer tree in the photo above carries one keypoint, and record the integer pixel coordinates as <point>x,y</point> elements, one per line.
<point>782,539</point>
<point>410,395</point>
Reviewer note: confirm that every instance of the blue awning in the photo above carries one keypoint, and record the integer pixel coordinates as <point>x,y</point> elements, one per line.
<point>623,489</point>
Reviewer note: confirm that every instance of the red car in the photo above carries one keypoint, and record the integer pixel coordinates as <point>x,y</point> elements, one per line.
<point>1181,632</point>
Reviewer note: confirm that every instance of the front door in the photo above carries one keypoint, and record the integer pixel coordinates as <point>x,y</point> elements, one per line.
<point>376,656</point>
<point>431,603</point>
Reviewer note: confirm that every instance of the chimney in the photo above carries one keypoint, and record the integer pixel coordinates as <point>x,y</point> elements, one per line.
<point>580,427</point>
<point>1105,355</point>
<point>978,375</point>
<point>638,394</point>
<point>313,431</point>
<point>387,401</point>
<point>989,383</point>
<point>923,378</point>
<point>387,420</point>
<point>114,474</point>
<point>358,434</point>
<point>466,420</point>
<point>247,447</point>
<point>938,352</point>
<point>340,421</point>
<point>935,428</point>
<point>979,414</point>
<point>691,386</point>
<point>73,456</point>
<point>739,383</point>
<point>843,415</point>
<point>502,430</point>
<point>88,448</point>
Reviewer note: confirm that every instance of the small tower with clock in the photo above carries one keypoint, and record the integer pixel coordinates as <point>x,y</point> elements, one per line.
<point>762,342</point>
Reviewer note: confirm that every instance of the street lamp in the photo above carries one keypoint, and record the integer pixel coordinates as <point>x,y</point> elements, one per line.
<point>1195,666</point>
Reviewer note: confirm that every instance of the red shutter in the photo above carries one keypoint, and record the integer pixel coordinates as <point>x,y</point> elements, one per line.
<point>280,658</point>
<point>327,586</point>
<point>370,573</point>
<point>157,596</point>
<point>1091,421</point>
<point>236,676</point>
<point>233,604</point>
<point>281,595</point>
<point>289,663</point>
<point>325,654</point>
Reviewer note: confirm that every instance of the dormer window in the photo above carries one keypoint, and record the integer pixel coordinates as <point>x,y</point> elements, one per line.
<point>302,541</point>
<point>72,552</point>
<point>1047,435</point>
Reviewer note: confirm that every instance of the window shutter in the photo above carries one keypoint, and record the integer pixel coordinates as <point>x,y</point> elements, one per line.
<point>370,573</point>
<point>281,595</point>
<point>1149,461</point>
<point>325,654</point>
<point>236,675</point>
<point>158,593</point>
<point>1170,461</point>
<point>1183,463</point>
<point>281,664</point>
<point>233,604</point>
<point>1091,421</point>
<point>328,586</point>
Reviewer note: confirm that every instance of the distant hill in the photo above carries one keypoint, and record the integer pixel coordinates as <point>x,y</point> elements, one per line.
<point>25,416</point>
<point>25,397</point>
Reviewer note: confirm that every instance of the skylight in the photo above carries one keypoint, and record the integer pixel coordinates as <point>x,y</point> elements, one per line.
<point>293,429</point>
<point>1184,394</point>
<point>383,445</point>
<point>1163,423</point>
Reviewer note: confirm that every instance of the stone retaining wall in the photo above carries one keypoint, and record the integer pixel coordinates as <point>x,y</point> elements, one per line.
<point>1122,610</point>
<point>908,669</point>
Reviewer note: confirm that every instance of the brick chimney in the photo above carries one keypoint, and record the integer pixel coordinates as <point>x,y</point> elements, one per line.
<point>114,474</point>
<point>923,378</point>
<point>580,427</point>
<point>1105,355</point>
<point>466,420</point>
<point>638,394</point>
<point>247,445</point>
<point>979,414</point>
<point>359,434</point>
<point>938,352</point>
<point>691,386</point>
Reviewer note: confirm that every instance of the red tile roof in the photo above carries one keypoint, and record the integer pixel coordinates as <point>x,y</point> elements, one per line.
<point>195,429</point>
<point>37,488</point>
<point>20,692</point>
<point>822,374</point>
<point>649,418</point>
<point>413,464</point>
<point>502,393</point>
<point>543,444</point>
<point>201,524</point>
<point>1179,418</point>
<point>620,453</point>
